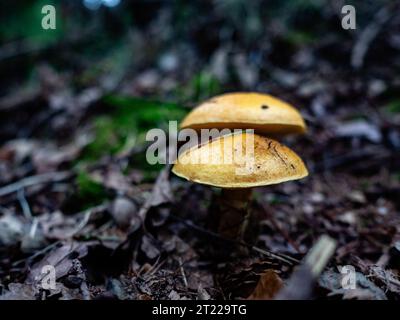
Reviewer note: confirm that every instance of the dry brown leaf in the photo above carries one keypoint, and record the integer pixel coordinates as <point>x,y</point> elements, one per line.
<point>267,287</point>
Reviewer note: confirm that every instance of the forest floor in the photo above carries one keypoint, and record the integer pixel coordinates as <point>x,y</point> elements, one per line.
<point>77,193</point>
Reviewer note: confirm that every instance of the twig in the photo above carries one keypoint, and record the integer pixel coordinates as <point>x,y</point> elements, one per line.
<point>33,180</point>
<point>38,253</point>
<point>320,254</point>
<point>287,259</point>
<point>18,98</point>
<point>33,229</point>
<point>366,37</point>
<point>16,48</point>
<point>377,154</point>
<point>24,204</point>
<point>300,284</point>
<point>86,218</point>
<point>183,272</point>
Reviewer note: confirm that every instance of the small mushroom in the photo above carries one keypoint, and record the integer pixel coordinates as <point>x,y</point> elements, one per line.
<point>261,112</point>
<point>224,163</point>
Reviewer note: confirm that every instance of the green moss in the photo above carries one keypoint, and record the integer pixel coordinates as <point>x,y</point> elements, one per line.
<point>88,193</point>
<point>393,106</point>
<point>201,86</point>
<point>127,123</point>
<point>300,37</point>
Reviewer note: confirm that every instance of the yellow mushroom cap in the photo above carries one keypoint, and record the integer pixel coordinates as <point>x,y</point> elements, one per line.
<point>222,162</point>
<point>261,112</point>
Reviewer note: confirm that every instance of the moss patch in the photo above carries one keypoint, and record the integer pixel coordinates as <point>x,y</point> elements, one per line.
<point>127,123</point>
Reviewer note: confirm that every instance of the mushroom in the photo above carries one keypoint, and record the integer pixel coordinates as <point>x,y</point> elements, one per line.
<point>261,112</point>
<point>226,158</point>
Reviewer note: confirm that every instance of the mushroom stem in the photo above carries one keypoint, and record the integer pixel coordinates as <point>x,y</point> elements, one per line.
<point>235,213</point>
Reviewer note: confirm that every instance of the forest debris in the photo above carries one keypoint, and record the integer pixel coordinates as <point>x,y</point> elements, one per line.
<point>56,225</point>
<point>61,259</point>
<point>286,78</point>
<point>387,277</point>
<point>11,230</point>
<point>124,211</point>
<point>282,257</point>
<point>182,270</point>
<point>202,293</point>
<point>366,37</point>
<point>300,284</point>
<point>173,295</point>
<point>169,61</point>
<point>364,288</point>
<point>19,291</point>
<point>313,75</point>
<point>394,255</point>
<point>149,248</point>
<point>49,157</point>
<point>357,196</point>
<point>34,180</point>
<point>147,81</point>
<point>267,287</point>
<point>115,286</point>
<point>160,194</point>
<point>20,97</point>
<point>247,73</point>
<point>17,150</point>
<point>112,177</point>
<point>359,128</point>
<point>348,217</point>
<point>219,64</point>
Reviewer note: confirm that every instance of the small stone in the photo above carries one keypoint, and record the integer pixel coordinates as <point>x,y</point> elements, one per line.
<point>123,211</point>
<point>348,217</point>
<point>357,196</point>
<point>317,197</point>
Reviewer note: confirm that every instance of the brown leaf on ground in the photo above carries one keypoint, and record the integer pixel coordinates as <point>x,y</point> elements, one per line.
<point>160,194</point>
<point>61,258</point>
<point>267,287</point>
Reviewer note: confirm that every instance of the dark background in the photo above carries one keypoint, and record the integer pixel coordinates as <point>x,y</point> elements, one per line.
<point>76,103</point>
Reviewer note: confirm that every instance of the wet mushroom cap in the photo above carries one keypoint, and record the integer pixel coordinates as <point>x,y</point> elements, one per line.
<point>222,162</point>
<point>261,112</point>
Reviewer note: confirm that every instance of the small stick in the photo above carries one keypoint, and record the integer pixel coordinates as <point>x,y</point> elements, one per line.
<point>320,254</point>
<point>301,283</point>
<point>366,37</point>
<point>33,180</point>
<point>24,204</point>
<point>183,272</point>
<point>287,259</point>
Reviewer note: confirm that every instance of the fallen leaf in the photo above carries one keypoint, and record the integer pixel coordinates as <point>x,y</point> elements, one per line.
<point>267,287</point>
<point>332,281</point>
<point>160,194</point>
<point>61,259</point>
<point>19,291</point>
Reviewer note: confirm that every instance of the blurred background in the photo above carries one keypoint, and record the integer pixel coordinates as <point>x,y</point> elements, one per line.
<point>77,101</point>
